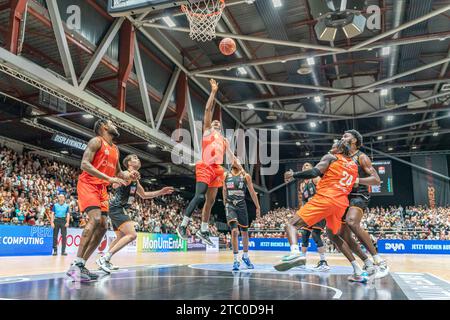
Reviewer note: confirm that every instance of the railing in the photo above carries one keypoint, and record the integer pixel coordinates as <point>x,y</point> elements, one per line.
<point>371,231</point>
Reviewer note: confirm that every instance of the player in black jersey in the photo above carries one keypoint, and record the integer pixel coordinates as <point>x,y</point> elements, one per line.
<point>122,200</point>
<point>307,189</point>
<point>359,201</point>
<point>234,187</point>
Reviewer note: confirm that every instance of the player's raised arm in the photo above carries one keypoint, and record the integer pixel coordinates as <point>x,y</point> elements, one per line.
<point>209,105</point>
<point>366,165</point>
<point>88,156</point>
<point>234,160</point>
<point>253,194</point>
<point>315,172</point>
<point>152,194</point>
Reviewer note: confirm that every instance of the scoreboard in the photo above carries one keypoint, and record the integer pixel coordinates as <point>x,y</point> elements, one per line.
<point>384,170</point>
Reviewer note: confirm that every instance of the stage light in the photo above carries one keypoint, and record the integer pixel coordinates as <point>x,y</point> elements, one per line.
<point>277,3</point>
<point>380,138</point>
<point>385,51</point>
<point>383,92</point>
<point>317,99</point>
<point>279,127</point>
<point>169,21</point>
<point>313,124</point>
<point>88,116</point>
<point>390,118</point>
<point>251,106</point>
<point>310,61</point>
<point>242,71</point>
<point>298,143</point>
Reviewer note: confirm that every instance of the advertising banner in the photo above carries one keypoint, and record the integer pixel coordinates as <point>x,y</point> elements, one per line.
<point>156,242</point>
<point>414,246</point>
<point>25,240</point>
<point>74,238</point>
<point>274,244</point>
<point>215,247</point>
<point>194,244</point>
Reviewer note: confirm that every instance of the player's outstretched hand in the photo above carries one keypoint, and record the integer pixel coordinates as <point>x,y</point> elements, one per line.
<point>135,175</point>
<point>115,180</point>
<point>288,176</point>
<point>166,190</point>
<point>214,85</point>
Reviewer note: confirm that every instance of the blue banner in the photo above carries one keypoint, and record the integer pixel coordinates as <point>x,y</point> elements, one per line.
<point>274,244</point>
<point>25,240</point>
<point>414,246</point>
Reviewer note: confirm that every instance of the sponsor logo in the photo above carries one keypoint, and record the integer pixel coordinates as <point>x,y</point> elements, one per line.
<point>395,246</point>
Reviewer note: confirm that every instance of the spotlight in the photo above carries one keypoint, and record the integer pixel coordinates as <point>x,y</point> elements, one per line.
<point>435,134</point>
<point>380,138</point>
<point>298,143</point>
<point>351,24</point>
<point>277,3</point>
<point>383,92</point>
<point>313,124</point>
<point>169,21</point>
<point>307,154</point>
<point>310,61</point>
<point>385,51</point>
<point>251,106</point>
<point>242,71</point>
<point>152,145</point>
<point>88,116</point>
<point>279,127</point>
<point>390,148</point>
<point>390,118</point>
<point>317,99</point>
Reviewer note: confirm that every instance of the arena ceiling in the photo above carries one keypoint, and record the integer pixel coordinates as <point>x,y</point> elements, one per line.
<point>394,97</point>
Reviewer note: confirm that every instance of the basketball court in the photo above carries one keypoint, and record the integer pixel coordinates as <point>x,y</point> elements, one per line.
<point>208,276</point>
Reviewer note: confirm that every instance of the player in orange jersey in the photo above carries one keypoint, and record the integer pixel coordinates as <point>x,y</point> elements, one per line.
<point>340,173</point>
<point>100,165</point>
<point>209,173</point>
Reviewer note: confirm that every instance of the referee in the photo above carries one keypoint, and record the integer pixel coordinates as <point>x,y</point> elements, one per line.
<point>60,219</point>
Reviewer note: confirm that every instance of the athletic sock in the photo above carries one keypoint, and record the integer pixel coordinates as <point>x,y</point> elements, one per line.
<point>295,249</point>
<point>245,255</point>
<point>356,268</point>
<point>79,261</point>
<point>107,256</point>
<point>204,227</point>
<point>185,221</point>
<point>368,263</point>
<point>377,259</point>
<point>322,257</point>
<point>236,257</point>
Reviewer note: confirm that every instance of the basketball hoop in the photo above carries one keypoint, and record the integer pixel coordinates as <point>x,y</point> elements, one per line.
<point>203,17</point>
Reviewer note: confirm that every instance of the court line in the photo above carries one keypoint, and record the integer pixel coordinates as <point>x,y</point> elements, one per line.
<point>337,295</point>
<point>433,275</point>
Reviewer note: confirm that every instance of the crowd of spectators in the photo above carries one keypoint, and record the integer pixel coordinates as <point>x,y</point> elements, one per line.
<point>387,223</point>
<point>30,184</point>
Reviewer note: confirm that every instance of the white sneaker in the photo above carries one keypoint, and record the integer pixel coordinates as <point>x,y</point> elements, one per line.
<point>103,264</point>
<point>382,269</point>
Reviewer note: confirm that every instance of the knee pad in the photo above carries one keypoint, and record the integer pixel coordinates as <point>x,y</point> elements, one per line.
<point>305,238</point>
<point>317,238</point>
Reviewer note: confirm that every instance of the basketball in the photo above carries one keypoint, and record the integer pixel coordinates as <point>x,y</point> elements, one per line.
<point>227,46</point>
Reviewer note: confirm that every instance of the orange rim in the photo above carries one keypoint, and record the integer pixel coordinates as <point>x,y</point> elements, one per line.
<point>185,9</point>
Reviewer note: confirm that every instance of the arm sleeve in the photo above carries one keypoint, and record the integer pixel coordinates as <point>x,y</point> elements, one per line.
<point>308,174</point>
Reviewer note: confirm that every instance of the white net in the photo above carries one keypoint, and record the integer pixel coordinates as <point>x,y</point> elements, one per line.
<point>203,17</point>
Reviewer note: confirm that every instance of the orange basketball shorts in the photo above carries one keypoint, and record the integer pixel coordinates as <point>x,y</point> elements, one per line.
<point>212,175</point>
<point>92,195</point>
<point>320,207</point>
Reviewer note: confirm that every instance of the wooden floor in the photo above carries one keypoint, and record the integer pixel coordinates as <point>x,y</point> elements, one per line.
<point>438,265</point>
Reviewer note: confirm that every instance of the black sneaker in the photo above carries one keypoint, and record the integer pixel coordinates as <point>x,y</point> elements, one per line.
<point>92,276</point>
<point>182,232</point>
<point>78,273</point>
<point>64,254</point>
<point>55,252</point>
<point>322,266</point>
<point>204,236</point>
